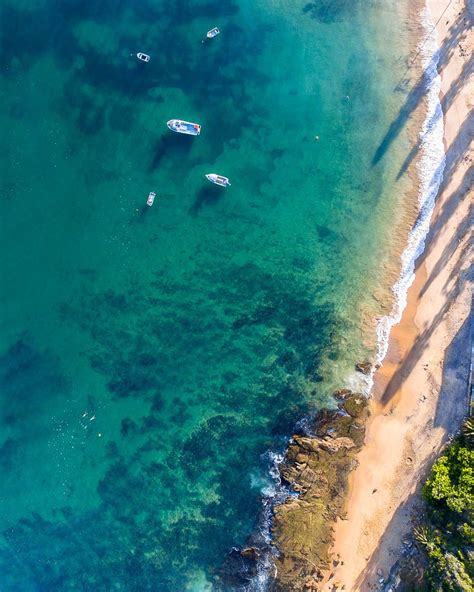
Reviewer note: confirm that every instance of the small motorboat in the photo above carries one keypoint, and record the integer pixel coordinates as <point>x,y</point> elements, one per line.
<point>212,33</point>
<point>184,127</point>
<point>143,57</point>
<point>151,198</point>
<point>218,179</point>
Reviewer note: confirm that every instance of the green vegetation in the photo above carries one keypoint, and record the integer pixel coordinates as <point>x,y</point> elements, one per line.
<point>448,535</point>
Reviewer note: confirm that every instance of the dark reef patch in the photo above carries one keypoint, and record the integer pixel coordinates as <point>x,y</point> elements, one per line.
<point>206,196</point>
<point>330,11</point>
<point>26,374</point>
<point>165,338</point>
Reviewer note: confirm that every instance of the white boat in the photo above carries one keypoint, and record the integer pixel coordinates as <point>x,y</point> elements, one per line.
<point>184,127</point>
<point>143,57</point>
<point>212,33</point>
<point>218,179</point>
<point>151,198</point>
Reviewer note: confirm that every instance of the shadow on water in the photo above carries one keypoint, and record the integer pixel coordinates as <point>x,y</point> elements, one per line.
<point>100,78</point>
<point>418,92</point>
<point>141,215</point>
<point>413,356</point>
<point>40,29</point>
<point>423,339</point>
<point>206,196</point>
<point>171,145</point>
<point>445,104</point>
<point>455,154</point>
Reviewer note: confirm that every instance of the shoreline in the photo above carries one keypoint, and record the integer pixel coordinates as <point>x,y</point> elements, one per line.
<point>417,258</point>
<point>410,421</point>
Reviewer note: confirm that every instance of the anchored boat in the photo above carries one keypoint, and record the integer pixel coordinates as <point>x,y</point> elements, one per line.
<point>151,198</point>
<point>143,57</point>
<point>212,33</point>
<point>184,127</point>
<point>218,179</point>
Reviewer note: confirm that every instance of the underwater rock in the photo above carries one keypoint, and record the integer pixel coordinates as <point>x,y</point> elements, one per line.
<point>239,567</point>
<point>364,367</point>
<point>317,469</point>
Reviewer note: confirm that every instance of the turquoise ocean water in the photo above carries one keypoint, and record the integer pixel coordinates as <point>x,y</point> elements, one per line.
<point>151,357</point>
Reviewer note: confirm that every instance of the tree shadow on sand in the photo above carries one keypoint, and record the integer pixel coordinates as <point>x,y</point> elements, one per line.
<point>445,103</point>
<point>452,407</point>
<point>418,92</point>
<point>455,280</point>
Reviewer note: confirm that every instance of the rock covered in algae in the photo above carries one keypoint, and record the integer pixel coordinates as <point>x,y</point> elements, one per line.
<point>364,367</point>
<point>342,394</point>
<point>316,468</point>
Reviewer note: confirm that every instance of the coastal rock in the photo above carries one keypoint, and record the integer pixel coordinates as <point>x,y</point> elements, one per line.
<point>336,444</point>
<point>311,585</point>
<point>239,567</point>
<point>250,553</point>
<point>342,394</point>
<point>364,367</point>
<point>316,468</point>
<point>355,406</point>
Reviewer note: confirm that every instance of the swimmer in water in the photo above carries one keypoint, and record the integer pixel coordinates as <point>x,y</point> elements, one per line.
<point>316,137</point>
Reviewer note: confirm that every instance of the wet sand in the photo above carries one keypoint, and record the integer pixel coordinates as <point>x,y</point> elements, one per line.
<point>420,392</point>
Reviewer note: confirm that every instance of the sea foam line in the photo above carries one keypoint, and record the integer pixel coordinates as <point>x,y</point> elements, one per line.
<point>430,170</point>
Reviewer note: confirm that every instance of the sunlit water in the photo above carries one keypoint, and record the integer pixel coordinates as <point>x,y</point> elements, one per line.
<point>151,356</point>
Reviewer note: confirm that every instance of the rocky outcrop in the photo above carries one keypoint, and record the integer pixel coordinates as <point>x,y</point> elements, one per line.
<point>342,394</point>
<point>238,570</point>
<point>364,367</point>
<point>316,468</point>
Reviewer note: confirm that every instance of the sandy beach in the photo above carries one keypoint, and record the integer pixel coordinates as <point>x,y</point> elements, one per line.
<point>420,392</point>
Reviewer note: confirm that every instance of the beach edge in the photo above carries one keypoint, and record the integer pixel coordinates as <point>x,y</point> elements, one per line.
<point>419,391</point>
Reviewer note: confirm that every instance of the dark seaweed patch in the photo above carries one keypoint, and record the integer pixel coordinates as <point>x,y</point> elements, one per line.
<point>153,341</point>
<point>26,374</point>
<point>9,454</point>
<point>178,63</point>
<point>206,196</point>
<point>174,147</point>
<point>329,11</point>
<point>120,117</point>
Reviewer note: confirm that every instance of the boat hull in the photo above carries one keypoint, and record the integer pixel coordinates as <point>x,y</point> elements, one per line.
<point>184,127</point>
<point>218,179</point>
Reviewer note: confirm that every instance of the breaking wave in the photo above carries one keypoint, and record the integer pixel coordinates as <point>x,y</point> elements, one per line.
<point>430,173</point>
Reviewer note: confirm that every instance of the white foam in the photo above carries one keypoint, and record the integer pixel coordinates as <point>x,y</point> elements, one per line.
<point>430,172</point>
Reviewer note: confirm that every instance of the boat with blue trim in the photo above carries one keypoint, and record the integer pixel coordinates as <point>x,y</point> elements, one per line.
<point>184,127</point>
